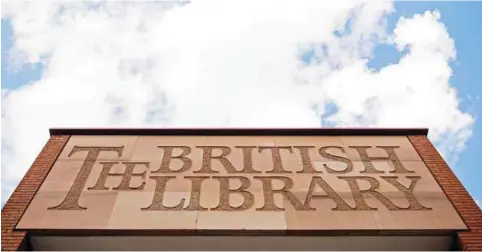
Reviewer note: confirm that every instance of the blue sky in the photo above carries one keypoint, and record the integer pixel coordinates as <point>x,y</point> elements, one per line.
<point>462,20</point>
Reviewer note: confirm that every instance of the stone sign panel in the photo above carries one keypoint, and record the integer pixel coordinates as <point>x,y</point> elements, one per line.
<point>240,183</point>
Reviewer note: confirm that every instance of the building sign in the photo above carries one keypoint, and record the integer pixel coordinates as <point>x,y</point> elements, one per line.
<point>240,183</point>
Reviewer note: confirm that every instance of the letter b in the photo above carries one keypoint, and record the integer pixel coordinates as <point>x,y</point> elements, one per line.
<point>167,157</point>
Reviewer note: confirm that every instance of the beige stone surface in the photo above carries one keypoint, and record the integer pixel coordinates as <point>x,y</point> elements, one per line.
<point>307,140</point>
<point>441,216</point>
<point>362,220</point>
<point>37,209</point>
<point>128,142</point>
<point>245,220</point>
<point>446,213</point>
<point>99,208</point>
<point>122,209</point>
<point>405,150</point>
<point>147,147</point>
<point>337,167</point>
<point>426,182</point>
<point>61,176</point>
<point>96,216</point>
<point>321,218</point>
<point>127,212</point>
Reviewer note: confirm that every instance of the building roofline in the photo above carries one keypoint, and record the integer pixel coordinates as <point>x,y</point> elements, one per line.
<point>241,131</point>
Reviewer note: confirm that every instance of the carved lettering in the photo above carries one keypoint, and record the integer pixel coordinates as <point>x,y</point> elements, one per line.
<point>363,188</point>
<point>208,156</point>
<point>306,159</point>
<point>248,159</point>
<point>358,193</point>
<point>268,192</point>
<point>276,157</point>
<point>129,172</point>
<point>413,203</point>
<point>226,191</point>
<point>157,201</point>
<point>167,157</point>
<point>323,153</point>
<point>362,151</point>
<point>195,196</point>
<point>105,172</point>
<point>71,200</point>
<point>392,158</point>
<point>341,205</point>
<point>126,176</point>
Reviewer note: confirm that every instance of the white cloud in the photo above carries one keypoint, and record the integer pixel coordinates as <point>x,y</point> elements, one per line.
<point>221,64</point>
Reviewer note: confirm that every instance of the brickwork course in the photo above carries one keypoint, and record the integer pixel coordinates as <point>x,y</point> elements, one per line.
<point>470,240</point>
<point>25,191</point>
<point>455,191</point>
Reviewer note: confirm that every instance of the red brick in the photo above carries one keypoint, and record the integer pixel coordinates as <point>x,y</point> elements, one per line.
<point>462,201</point>
<point>464,204</point>
<point>25,191</point>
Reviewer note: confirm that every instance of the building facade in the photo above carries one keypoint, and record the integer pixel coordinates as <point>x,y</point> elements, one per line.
<point>240,189</point>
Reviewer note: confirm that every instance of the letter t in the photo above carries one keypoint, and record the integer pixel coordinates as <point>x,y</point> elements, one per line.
<point>71,201</point>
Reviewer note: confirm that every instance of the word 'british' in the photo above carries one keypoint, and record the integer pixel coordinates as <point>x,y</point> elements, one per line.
<point>248,182</point>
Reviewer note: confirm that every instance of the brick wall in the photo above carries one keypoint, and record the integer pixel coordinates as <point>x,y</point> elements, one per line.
<point>455,191</point>
<point>25,191</point>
